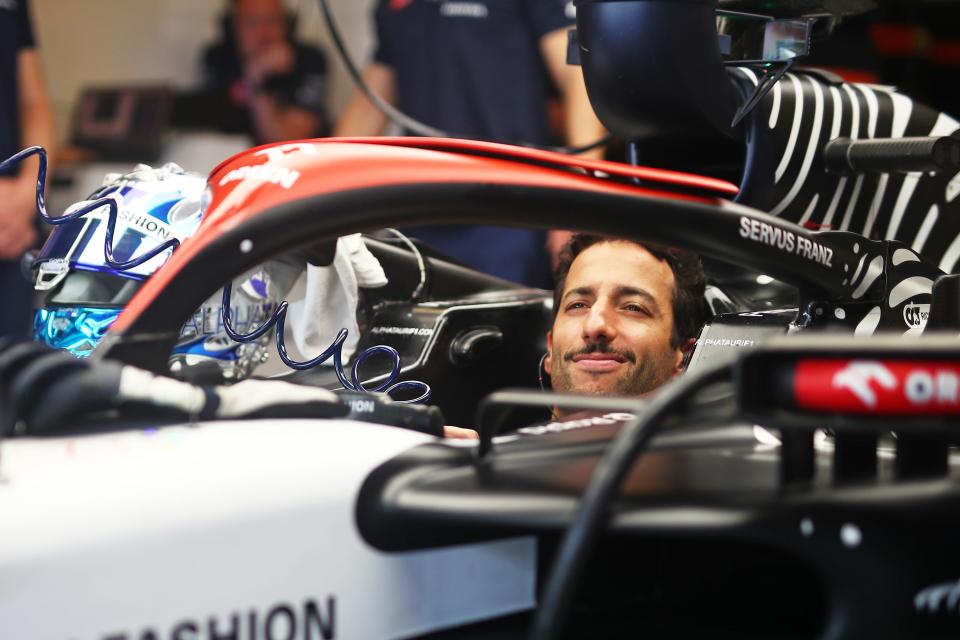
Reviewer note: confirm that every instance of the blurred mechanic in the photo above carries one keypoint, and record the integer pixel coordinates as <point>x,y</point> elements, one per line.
<point>26,119</point>
<point>484,69</point>
<point>625,316</point>
<point>272,86</point>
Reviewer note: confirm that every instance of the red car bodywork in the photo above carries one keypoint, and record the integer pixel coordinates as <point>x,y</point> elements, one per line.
<point>255,181</point>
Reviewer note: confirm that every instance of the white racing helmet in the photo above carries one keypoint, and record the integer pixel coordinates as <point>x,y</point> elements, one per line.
<point>80,294</point>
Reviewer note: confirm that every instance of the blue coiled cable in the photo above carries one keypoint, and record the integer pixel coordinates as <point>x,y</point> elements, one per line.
<point>278,318</point>
<point>106,201</point>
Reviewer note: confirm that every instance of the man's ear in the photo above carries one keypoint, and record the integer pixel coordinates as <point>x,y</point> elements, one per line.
<point>683,356</point>
<point>548,361</point>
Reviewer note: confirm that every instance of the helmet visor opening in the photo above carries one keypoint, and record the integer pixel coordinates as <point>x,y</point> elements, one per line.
<point>93,288</point>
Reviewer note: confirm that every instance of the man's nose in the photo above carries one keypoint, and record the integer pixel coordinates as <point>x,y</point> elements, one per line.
<point>599,324</point>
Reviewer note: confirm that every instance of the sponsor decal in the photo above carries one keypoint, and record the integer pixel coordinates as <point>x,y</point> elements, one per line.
<point>276,153</point>
<point>861,377</point>
<point>312,90</point>
<point>208,321</point>
<point>728,342</point>
<point>464,10</point>
<point>272,170</point>
<point>362,406</point>
<point>280,176</point>
<point>785,240</point>
<point>283,621</point>
<point>579,423</point>
<point>420,332</point>
<point>915,315</point>
<point>901,387</point>
<point>147,224</point>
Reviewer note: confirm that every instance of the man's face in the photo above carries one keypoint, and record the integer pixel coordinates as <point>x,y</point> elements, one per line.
<point>611,335</point>
<point>258,25</point>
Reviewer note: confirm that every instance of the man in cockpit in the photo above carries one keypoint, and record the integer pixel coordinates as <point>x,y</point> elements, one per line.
<point>626,315</point>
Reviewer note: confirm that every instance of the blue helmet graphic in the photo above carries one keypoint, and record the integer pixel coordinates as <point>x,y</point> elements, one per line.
<point>80,294</point>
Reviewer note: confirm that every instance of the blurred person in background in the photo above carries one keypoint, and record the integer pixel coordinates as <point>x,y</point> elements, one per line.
<point>482,69</point>
<point>26,119</point>
<point>263,81</point>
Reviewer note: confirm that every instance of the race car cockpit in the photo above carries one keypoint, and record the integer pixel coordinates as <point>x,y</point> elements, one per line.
<point>798,480</point>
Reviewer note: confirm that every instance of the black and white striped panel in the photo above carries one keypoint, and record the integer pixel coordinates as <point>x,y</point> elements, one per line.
<point>786,175</point>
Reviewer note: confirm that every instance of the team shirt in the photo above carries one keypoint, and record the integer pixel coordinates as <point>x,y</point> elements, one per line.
<point>475,69</point>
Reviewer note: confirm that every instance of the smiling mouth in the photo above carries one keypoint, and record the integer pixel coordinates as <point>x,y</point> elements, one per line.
<point>599,362</point>
<point>599,356</point>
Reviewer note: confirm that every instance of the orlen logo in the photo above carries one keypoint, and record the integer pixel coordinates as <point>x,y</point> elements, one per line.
<point>272,170</point>
<point>915,315</point>
<point>860,378</point>
<point>895,387</point>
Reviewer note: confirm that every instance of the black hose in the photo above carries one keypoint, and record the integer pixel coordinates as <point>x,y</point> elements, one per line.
<point>603,487</point>
<point>403,120</point>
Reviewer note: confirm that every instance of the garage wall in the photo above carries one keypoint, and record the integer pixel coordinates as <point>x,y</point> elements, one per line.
<point>118,41</point>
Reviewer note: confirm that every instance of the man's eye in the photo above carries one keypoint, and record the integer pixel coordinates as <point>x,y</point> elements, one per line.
<point>576,305</point>
<point>636,308</point>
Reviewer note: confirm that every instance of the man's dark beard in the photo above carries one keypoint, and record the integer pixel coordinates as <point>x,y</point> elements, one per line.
<point>643,378</point>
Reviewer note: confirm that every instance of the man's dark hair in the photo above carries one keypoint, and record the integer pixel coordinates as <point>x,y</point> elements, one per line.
<point>689,282</point>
